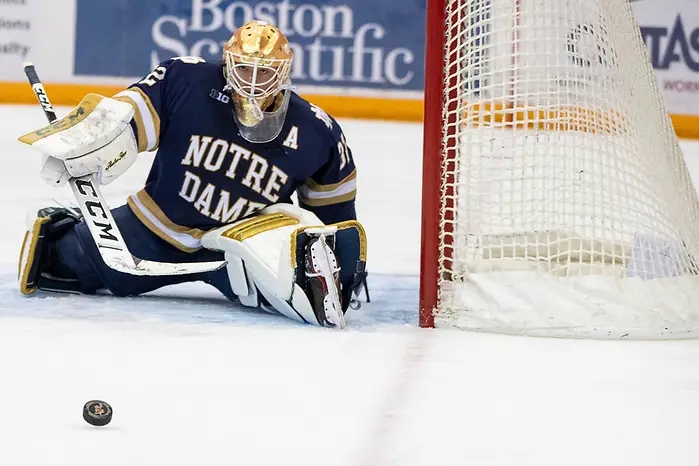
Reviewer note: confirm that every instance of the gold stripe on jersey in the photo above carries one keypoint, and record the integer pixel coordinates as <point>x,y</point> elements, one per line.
<point>320,188</point>
<point>328,200</point>
<point>81,112</point>
<point>153,114</point>
<point>153,210</point>
<point>314,194</point>
<point>140,129</point>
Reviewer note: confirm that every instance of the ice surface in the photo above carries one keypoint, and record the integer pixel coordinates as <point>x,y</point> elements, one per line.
<point>194,380</point>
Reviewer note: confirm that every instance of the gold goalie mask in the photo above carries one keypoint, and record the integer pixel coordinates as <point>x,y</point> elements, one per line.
<point>257,64</point>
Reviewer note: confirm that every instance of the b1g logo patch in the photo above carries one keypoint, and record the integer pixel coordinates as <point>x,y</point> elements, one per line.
<point>220,96</point>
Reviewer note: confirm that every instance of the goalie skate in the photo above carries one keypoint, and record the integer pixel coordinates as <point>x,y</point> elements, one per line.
<point>323,285</point>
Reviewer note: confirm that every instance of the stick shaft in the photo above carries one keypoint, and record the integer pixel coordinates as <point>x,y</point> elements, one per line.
<point>40,92</point>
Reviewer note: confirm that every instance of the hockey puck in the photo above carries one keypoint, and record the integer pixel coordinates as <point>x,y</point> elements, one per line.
<point>97,412</point>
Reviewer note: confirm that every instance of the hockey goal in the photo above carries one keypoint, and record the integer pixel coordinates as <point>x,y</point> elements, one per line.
<point>555,196</point>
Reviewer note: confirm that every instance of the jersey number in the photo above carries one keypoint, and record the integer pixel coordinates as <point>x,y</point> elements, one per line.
<point>158,74</point>
<point>345,155</point>
<point>154,76</point>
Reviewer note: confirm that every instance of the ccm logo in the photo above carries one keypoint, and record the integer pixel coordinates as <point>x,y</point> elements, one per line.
<point>96,210</point>
<point>43,98</point>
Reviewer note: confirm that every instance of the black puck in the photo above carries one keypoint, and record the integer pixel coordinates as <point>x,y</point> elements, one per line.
<point>97,412</point>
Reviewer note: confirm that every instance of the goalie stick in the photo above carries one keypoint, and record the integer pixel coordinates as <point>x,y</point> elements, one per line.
<point>100,221</point>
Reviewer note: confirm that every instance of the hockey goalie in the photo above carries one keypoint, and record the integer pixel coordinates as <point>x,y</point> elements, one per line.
<point>233,142</point>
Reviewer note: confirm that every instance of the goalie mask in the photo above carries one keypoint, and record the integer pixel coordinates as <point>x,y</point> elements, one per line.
<point>257,64</point>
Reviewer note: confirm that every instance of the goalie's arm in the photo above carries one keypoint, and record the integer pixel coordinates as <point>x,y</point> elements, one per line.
<point>149,100</point>
<point>330,194</point>
<point>103,135</point>
<point>156,96</point>
<point>331,191</point>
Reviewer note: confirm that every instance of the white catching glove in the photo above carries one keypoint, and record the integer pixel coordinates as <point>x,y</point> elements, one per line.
<point>94,138</point>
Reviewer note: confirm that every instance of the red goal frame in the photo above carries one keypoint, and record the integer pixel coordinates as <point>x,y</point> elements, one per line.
<point>435,132</point>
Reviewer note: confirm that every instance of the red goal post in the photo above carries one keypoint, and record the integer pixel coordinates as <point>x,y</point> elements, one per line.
<point>432,159</point>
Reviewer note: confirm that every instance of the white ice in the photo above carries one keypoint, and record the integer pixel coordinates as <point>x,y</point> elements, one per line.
<point>195,380</point>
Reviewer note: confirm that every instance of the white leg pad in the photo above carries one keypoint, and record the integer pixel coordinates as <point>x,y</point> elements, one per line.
<point>261,256</point>
<point>241,284</point>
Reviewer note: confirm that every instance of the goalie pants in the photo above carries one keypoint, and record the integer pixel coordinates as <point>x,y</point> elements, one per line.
<point>78,257</point>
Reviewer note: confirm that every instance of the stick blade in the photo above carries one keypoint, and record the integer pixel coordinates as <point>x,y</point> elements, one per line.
<point>145,267</point>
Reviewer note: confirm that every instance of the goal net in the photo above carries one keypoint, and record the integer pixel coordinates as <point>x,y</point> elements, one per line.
<point>556,200</point>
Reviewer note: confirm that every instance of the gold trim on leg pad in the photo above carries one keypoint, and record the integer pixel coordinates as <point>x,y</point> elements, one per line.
<point>340,226</point>
<point>360,231</point>
<point>257,225</point>
<point>26,256</point>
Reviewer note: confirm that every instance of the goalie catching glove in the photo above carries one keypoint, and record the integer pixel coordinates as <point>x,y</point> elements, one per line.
<point>96,137</point>
<point>285,260</point>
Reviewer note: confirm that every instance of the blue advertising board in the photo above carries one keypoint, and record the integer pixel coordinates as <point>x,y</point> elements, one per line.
<point>353,43</point>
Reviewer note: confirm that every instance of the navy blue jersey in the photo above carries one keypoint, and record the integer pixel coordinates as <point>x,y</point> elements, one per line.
<point>205,174</point>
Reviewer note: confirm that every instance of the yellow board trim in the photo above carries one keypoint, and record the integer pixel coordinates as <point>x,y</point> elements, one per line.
<point>686,126</point>
<point>80,113</point>
<point>23,275</point>
<point>258,225</point>
<point>558,118</point>
<point>340,106</point>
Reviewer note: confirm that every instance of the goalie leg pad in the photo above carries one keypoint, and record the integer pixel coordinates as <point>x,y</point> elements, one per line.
<point>43,228</point>
<point>262,256</point>
<point>351,252</point>
<point>59,254</point>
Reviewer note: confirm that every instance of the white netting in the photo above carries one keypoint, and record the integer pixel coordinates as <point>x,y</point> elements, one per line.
<point>566,205</point>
